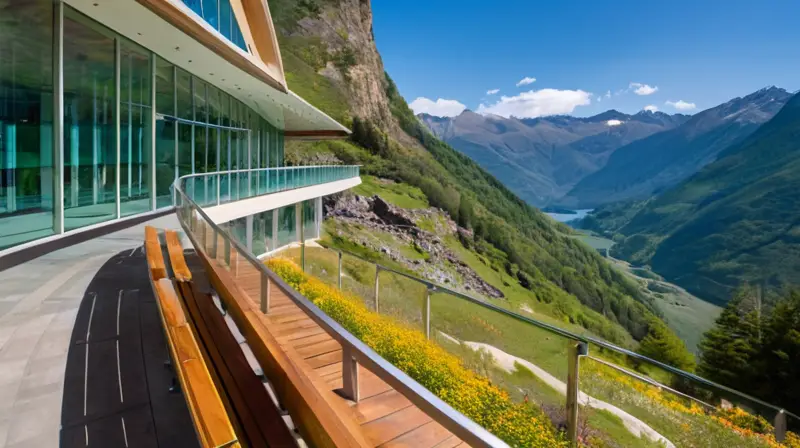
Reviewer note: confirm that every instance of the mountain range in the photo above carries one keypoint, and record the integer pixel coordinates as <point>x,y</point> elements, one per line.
<point>653,164</point>
<point>733,222</point>
<point>541,159</point>
<point>586,162</point>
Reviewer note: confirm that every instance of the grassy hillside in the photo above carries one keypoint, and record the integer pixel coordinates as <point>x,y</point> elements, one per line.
<point>535,251</point>
<point>733,222</point>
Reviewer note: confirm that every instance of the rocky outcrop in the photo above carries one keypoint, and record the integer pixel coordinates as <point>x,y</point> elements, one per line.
<point>345,27</point>
<point>439,264</point>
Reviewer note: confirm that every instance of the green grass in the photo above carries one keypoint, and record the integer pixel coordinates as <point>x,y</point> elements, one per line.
<point>401,195</point>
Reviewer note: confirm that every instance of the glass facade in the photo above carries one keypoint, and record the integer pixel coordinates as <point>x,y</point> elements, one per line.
<point>26,123</point>
<point>132,123</point>
<point>274,229</point>
<point>219,14</point>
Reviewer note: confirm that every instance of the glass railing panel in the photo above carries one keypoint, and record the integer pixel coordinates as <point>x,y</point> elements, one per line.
<point>528,362</point>
<point>402,299</point>
<point>204,189</point>
<point>358,278</point>
<point>323,264</point>
<point>679,408</point>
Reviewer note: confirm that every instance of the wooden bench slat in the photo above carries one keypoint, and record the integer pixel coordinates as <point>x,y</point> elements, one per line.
<point>259,418</point>
<point>211,420</point>
<point>155,258</point>
<point>176,258</point>
<point>171,307</point>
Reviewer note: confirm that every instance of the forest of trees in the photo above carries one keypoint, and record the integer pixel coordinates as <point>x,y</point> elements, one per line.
<point>754,347</point>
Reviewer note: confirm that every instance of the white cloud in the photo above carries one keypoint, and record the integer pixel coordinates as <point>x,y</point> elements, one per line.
<point>642,89</point>
<point>439,108</point>
<point>525,81</point>
<point>681,105</point>
<point>608,94</point>
<point>599,99</point>
<point>651,108</point>
<point>613,122</point>
<point>492,92</point>
<point>537,103</point>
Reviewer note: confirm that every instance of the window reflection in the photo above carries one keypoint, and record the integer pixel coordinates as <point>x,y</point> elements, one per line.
<point>219,14</point>
<point>90,156</point>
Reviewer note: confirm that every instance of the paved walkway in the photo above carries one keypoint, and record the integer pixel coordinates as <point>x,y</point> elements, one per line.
<point>39,301</point>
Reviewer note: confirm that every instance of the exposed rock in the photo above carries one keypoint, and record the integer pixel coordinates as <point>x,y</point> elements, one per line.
<point>388,213</point>
<point>441,266</point>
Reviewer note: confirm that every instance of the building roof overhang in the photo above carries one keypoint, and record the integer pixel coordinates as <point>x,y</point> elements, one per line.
<point>177,34</point>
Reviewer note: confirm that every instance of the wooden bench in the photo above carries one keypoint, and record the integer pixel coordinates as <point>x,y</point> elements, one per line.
<point>213,427</point>
<point>323,418</point>
<point>259,422</point>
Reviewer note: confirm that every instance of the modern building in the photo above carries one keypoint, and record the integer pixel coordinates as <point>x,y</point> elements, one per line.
<point>104,103</point>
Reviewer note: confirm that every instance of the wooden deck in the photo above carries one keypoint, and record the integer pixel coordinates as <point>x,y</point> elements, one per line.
<point>386,417</point>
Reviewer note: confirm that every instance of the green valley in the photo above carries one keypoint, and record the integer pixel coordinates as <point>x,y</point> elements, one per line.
<point>732,223</point>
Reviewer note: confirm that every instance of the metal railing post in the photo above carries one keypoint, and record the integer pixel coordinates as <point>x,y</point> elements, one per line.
<point>426,311</point>
<point>780,426</point>
<point>265,293</point>
<point>573,370</point>
<point>340,270</point>
<point>349,374</point>
<point>377,276</point>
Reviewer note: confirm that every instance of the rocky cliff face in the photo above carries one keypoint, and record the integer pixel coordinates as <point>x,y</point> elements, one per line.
<point>346,28</point>
<point>355,66</point>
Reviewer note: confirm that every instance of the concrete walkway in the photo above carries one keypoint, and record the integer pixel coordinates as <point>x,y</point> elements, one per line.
<point>39,301</point>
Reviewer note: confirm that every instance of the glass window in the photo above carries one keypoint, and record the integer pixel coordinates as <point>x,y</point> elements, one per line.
<point>201,161</point>
<point>210,12</point>
<point>286,226</point>
<point>262,232</point>
<point>90,155</point>
<point>213,105</point>
<point>135,129</point>
<point>184,95</point>
<point>165,161</point>
<point>309,220</point>
<point>166,132</point>
<point>26,122</point>
<point>165,87</point>
<point>195,5</point>
<point>225,17</point>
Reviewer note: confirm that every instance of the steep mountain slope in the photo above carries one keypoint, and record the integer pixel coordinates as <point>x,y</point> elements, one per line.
<point>735,221</point>
<point>330,59</point>
<point>653,164</point>
<point>540,159</point>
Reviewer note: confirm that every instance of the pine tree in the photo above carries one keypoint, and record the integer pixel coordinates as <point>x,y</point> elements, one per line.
<point>730,347</point>
<point>778,363</point>
<point>663,345</point>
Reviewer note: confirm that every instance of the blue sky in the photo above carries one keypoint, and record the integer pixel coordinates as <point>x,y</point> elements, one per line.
<point>701,52</point>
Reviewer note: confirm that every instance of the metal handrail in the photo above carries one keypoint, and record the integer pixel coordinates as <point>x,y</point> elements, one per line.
<point>459,424</point>
<point>576,337</point>
<point>476,301</point>
<point>255,170</point>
